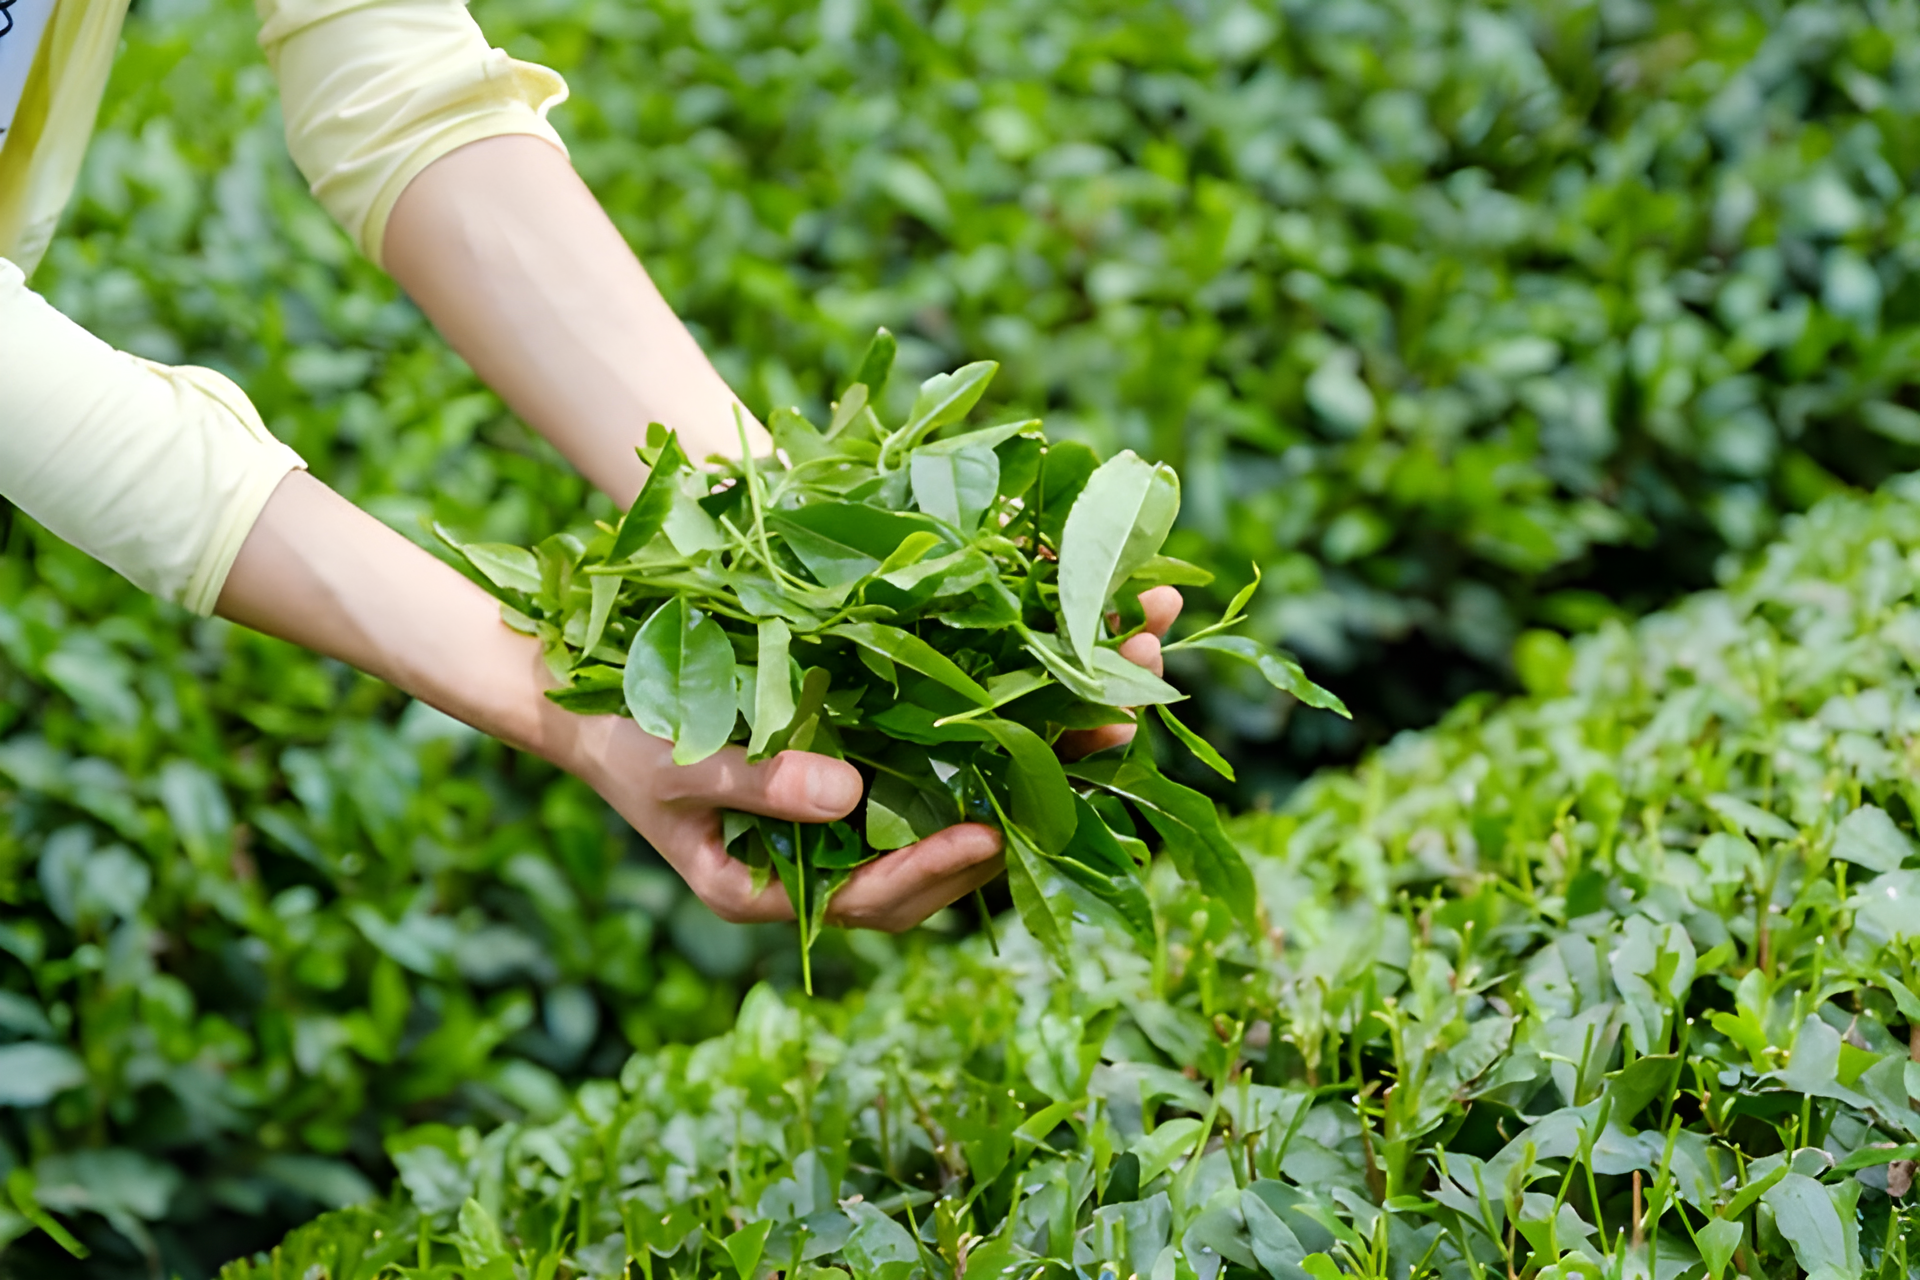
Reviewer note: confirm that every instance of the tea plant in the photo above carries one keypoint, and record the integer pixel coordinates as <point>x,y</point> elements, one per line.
<point>1616,980</point>
<point>935,604</point>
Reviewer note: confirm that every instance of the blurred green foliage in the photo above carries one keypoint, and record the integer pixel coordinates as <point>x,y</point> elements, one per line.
<point>1457,319</point>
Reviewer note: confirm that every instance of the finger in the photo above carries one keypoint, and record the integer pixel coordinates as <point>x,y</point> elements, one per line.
<point>795,785</point>
<point>1143,650</point>
<point>900,889</point>
<point>1077,743</point>
<point>1162,606</point>
<point>726,886</point>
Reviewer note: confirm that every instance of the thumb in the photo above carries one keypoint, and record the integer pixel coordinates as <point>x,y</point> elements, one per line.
<point>796,785</point>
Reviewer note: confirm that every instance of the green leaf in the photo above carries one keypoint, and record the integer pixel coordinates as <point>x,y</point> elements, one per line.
<point>22,1190</point>
<point>773,704</point>
<point>1750,818</point>
<point>850,406</point>
<point>799,440</point>
<point>745,1246</point>
<point>876,362</point>
<point>1280,670</point>
<point>957,485</point>
<point>1167,1143</point>
<point>1717,1242</point>
<point>1037,785</point>
<point>1024,863</point>
<point>1019,465</point>
<point>1196,744</point>
<point>654,503</point>
<point>909,554</point>
<point>1812,1224</point>
<point>1064,470</point>
<point>984,438</point>
<point>1238,604</point>
<point>689,528</point>
<point>1165,571</point>
<point>915,654</point>
<point>679,681</point>
<point>843,542</point>
<point>946,397</point>
<point>1904,1000</point>
<point>593,691</point>
<point>1188,823</point>
<point>900,813</point>
<point>1113,682</point>
<point>31,1073</point>
<point>507,567</point>
<point>604,589</point>
<point>1097,861</point>
<point>1867,837</point>
<point>1117,524</point>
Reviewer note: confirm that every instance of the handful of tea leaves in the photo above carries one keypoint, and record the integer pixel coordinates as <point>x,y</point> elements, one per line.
<point>933,603</point>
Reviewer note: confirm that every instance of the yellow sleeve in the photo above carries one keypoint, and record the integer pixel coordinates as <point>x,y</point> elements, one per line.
<point>374,91</point>
<point>158,472</point>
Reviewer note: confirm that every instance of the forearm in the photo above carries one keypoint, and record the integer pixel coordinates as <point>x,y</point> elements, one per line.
<point>319,572</point>
<point>503,246</point>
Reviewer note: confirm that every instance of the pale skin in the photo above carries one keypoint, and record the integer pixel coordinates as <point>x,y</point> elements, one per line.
<point>506,250</point>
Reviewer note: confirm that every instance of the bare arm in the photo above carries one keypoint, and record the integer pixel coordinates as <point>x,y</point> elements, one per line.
<point>503,246</point>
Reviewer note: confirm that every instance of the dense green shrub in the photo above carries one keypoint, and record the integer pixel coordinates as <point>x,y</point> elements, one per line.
<point>1609,981</point>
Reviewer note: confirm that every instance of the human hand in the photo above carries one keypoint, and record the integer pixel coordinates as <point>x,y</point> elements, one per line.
<point>678,809</point>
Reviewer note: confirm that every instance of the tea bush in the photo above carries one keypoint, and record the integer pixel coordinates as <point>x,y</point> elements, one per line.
<point>1616,979</point>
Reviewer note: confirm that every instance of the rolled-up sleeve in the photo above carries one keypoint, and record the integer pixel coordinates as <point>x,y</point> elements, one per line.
<point>159,472</point>
<point>374,91</point>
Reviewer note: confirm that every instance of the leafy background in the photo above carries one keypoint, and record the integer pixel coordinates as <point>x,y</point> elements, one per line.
<point>1458,319</point>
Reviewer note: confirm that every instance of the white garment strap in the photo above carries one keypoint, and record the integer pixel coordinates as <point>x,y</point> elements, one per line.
<point>22,23</point>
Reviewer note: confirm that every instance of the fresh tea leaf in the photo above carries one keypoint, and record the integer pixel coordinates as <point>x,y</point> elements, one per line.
<point>957,485</point>
<point>1200,747</point>
<point>946,397</point>
<point>654,503</point>
<point>1117,524</point>
<point>773,704</point>
<point>876,363</point>
<point>679,681</point>
<point>1281,671</point>
<point>912,652</point>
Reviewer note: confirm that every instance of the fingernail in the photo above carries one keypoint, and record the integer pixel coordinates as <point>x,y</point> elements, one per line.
<point>831,791</point>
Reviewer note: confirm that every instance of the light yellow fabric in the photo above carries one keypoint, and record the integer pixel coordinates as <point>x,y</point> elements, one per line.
<point>158,472</point>
<point>41,159</point>
<point>161,472</point>
<point>374,91</point>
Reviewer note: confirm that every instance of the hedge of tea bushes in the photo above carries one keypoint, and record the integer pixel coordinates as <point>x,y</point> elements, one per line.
<point>1618,978</point>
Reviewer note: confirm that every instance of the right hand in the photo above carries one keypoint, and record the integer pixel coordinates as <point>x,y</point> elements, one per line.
<point>678,807</point>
